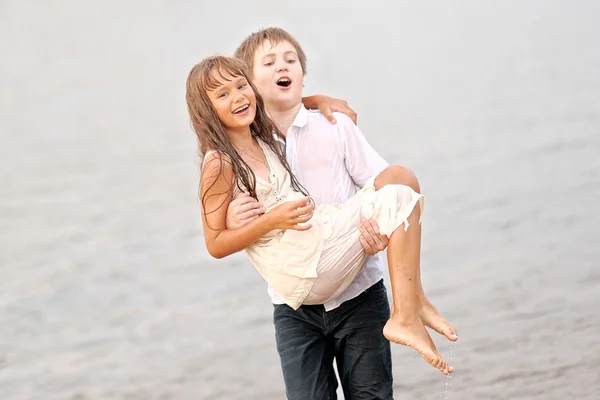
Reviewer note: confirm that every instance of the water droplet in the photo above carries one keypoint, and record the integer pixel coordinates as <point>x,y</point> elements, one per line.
<point>448,377</point>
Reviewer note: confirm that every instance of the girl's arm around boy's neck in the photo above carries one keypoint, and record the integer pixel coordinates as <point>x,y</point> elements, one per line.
<point>328,105</point>
<point>216,189</point>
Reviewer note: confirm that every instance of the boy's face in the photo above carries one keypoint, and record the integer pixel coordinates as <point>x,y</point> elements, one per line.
<point>278,75</point>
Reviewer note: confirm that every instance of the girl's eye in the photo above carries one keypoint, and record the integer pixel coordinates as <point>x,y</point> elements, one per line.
<point>222,95</point>
<point>243,85</point>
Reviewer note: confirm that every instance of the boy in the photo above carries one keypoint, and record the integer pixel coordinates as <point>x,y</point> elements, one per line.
<point>329,161</point>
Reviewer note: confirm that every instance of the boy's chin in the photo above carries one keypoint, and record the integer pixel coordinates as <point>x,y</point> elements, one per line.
<point>287,99</point>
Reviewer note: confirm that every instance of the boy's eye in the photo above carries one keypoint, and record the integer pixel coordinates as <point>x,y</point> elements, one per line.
<point>291,61</point>
<point>269,64</point>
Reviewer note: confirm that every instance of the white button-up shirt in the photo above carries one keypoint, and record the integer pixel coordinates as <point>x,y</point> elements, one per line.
<point>332,162</point>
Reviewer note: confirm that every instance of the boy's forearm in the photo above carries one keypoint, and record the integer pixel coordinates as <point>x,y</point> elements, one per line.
<point>230,241</point>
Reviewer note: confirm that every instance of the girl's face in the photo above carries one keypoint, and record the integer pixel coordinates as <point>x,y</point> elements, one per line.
<point>234,100</point>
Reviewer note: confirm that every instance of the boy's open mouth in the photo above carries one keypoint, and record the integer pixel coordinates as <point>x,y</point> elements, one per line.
<point>241,109</point>
<point>284,82</point>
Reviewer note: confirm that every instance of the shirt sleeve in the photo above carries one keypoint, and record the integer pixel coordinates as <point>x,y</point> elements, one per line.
<point>361,159</point>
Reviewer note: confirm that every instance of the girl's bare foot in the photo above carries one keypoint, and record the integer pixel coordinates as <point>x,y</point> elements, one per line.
<point>411,332</point>
<point>432,319</point>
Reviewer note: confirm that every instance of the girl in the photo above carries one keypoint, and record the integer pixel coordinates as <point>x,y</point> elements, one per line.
<point>307,255</point>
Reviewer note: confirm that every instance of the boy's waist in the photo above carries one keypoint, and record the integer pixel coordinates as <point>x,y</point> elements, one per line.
<point>370,274</point>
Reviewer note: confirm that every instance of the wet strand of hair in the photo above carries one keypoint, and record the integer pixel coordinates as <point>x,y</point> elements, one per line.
<point>263,161</point>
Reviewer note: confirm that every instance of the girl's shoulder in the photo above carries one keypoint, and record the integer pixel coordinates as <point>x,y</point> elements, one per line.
<point>214,157</point>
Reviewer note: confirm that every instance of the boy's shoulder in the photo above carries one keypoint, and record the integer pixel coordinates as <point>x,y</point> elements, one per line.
<point>319,129</point>
<point>342,120</point>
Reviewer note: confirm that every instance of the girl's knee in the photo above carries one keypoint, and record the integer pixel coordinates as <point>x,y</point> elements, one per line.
<point>401,175</point>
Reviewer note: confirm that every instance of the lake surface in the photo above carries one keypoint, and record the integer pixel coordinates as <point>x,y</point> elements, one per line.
<point>106,289</point>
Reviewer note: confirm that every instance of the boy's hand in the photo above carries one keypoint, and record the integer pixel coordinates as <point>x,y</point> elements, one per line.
<point>243,210</point>
<point>371,241</point>
<point>328,105</point>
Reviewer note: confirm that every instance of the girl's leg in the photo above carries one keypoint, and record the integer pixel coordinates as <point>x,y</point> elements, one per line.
<point>429,314</point>
<point>404,250</point>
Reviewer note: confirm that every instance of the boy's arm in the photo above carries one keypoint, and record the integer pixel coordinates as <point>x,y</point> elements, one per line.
<point>242,210</point>
<point>360,158</point>
<point>371,240</point>
<point>362,163</point>
<point>328,105</point>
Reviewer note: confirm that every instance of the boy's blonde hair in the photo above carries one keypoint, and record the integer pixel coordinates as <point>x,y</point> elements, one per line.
<point>247,49</point>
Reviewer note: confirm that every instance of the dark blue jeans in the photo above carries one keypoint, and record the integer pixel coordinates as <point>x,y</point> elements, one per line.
<point>309,339</point>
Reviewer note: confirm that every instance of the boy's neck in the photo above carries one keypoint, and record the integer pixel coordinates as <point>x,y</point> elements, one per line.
<point>283,118</point>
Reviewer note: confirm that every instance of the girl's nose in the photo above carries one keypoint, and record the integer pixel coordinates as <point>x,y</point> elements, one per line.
<point>239,97</point>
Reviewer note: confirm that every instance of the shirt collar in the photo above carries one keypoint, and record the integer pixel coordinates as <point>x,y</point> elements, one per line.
<point>301,118</point>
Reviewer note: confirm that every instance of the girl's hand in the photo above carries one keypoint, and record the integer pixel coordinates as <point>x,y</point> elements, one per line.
<point>290,214</point>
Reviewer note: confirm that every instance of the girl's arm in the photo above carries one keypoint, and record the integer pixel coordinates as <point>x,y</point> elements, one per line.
<point>328,105</point>
<point>216,188</point>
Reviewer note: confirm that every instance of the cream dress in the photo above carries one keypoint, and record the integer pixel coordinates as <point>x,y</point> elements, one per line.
<point>314,266</point>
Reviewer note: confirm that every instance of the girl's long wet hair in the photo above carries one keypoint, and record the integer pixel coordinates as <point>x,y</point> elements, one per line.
<point>211,133</point>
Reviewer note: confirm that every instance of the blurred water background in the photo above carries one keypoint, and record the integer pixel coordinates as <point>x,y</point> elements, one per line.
<point>106,290</point>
